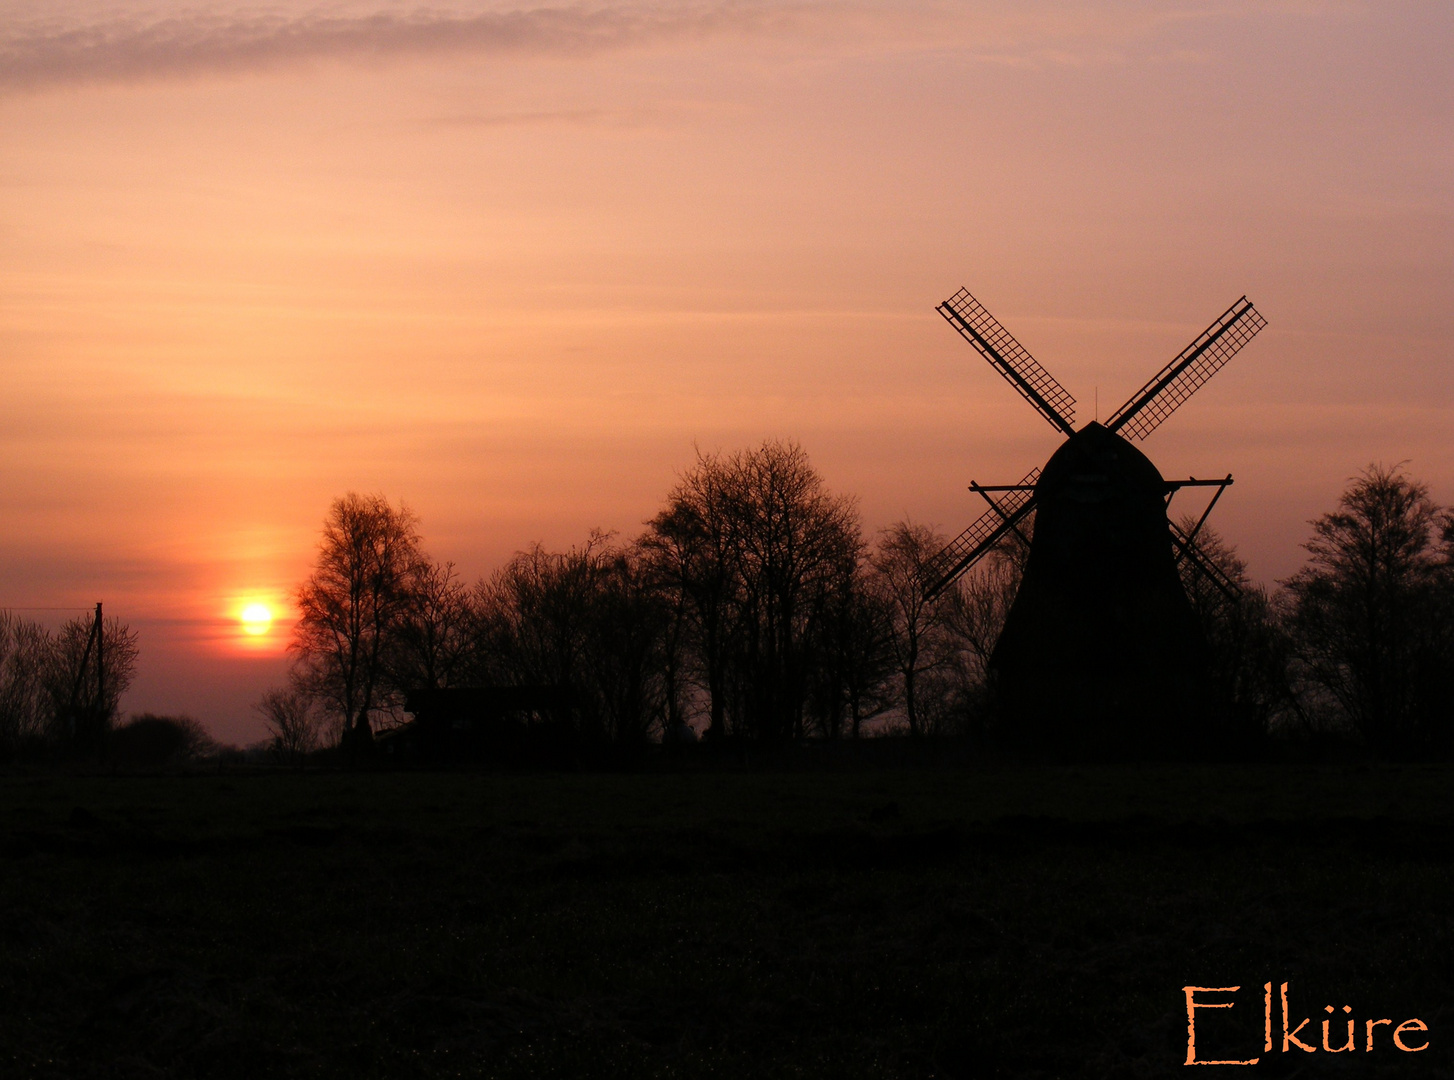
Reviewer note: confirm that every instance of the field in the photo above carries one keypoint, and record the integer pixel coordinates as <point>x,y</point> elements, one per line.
<point>999,921</point>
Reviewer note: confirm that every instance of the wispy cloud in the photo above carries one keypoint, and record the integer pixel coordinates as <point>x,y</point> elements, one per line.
<point>536,118</point>
<point>134,49</point>
<point>67,51</point>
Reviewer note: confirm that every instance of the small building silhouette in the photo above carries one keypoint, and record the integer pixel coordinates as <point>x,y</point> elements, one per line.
<point>509,726</point>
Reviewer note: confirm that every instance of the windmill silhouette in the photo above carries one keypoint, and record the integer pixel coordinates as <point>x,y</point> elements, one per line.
<point>1101,654</point>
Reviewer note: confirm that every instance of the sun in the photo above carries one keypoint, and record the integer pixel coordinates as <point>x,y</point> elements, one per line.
<point>256,619</point>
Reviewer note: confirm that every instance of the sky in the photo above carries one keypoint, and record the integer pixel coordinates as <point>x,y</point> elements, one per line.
<point>516,264</point>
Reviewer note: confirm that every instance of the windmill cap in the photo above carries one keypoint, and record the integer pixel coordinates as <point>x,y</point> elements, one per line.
<point>1097,465</point>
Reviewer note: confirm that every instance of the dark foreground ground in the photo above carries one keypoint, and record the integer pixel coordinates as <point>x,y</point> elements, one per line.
<point>992,922</point>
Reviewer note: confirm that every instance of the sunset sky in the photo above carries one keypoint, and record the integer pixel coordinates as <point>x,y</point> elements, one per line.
<point>512,264</point>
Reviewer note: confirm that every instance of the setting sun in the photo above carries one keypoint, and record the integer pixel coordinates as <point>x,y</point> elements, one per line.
<point>256,619</point>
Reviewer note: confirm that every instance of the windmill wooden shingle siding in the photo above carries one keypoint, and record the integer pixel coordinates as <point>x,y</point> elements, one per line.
<point>1101,655</point>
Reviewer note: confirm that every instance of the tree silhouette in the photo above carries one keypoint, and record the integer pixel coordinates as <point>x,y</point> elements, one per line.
<point>975,611</point>
<point>84,706</point>
<point>26,703</point>
<point>351,606</point>
<point>430,642</point>
<point>692,547</point>
<point>919,641</point>
<point>1248,645</point>
<point>852,679</point>
<point>1370,611</point>
<point>291,720</point>
<point>758,547</point>
<point>150,741</point>
<point>52,692</point>
<point>590,620</point>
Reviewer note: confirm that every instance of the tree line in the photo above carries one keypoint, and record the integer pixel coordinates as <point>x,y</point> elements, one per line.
<point>752,606</point>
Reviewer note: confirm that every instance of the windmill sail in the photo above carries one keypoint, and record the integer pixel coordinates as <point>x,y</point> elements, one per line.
<point>938,573</point>
<point>1010,359</point>
<point>1193,562</point>
<point>1198,362</point>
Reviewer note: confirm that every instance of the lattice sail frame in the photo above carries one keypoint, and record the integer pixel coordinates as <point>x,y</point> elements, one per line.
<point>1164,393</point>
<point>1192,561</point>
<point>983,534</point>
<point>1010,359</point>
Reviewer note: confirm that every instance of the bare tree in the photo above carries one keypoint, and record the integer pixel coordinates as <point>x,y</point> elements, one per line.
<point>351,605</point>
<point>795,544</point>
<point>292,720</point>
<point>981,602</point>
<point>589,619</point>
<point>974,612</point>
<point>661,576</point>
<point>430,641</point>
<point>854,672</point>
<point>692,549</point>
<point>919,641</point>
<point>756,545</point>
<point>85,687</point>
<point>535,611</point>
<point>26,707</point>
<point>1368,611</point>
<point>1248,644</point>
<point>628,654</point>
<point>57,689</point>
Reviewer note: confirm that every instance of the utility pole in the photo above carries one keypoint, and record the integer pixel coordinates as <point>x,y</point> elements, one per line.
<point>86,726</point>
<point>100,632</point>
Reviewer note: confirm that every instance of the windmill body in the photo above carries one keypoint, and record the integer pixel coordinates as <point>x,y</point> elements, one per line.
<point>1101,655</point>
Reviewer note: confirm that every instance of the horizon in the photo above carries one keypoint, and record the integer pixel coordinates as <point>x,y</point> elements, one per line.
<point>513,265</point>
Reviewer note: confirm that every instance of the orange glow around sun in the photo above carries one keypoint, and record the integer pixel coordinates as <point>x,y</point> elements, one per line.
<point>256,619</point>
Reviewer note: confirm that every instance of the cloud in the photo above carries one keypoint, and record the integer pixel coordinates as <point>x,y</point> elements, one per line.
<point>55,52</point>
<point>131,50</point>
<point>536,118</point>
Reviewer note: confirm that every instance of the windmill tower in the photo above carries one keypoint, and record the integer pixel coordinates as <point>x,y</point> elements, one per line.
<point>1101,654</point>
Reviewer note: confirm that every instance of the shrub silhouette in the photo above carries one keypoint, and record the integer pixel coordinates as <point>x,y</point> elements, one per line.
<point>151,741</point>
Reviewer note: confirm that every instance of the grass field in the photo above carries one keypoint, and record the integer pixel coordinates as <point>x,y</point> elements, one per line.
<point>991,922</point>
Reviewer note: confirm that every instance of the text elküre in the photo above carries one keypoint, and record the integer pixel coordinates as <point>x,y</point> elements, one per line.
<point>1290,1038</point>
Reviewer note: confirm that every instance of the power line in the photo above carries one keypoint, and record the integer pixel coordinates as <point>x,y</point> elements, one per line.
<point>19,607</point>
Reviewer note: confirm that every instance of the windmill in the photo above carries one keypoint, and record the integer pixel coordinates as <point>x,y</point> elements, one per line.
<point>1101,654</point>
